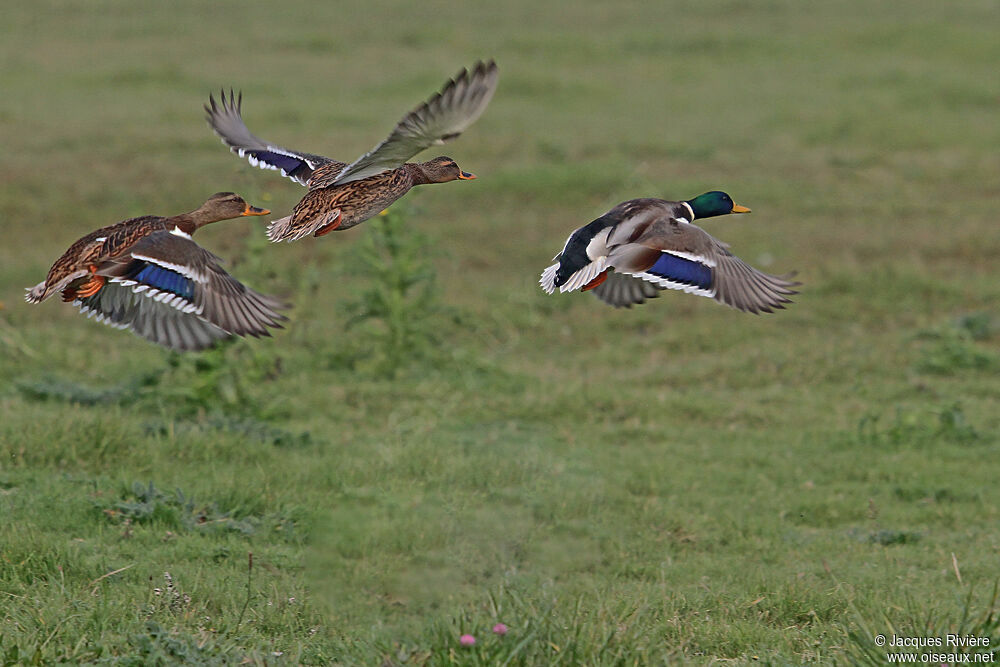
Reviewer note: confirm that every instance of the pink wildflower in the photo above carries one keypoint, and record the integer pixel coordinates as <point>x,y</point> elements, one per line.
<point>467,640</point>
<point>500,629</point>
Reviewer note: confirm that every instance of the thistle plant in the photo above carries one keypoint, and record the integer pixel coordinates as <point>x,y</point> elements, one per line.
<point>398,315</point>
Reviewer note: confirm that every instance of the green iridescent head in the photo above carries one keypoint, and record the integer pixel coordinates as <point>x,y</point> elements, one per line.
<point>714,203</point>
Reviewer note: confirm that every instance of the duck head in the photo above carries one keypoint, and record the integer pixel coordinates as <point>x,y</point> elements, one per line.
<point>224,206</point>
<point>714,203</point>
<point>443,169</point>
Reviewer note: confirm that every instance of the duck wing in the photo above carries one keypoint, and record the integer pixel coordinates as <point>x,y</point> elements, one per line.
<point>441,118</point>
<point>119,306</point>
<point>226,121</point>
<point>175,271</point>
<point>674,254</point>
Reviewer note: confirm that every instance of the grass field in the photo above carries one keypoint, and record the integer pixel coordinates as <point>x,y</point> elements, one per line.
<point>676,483</point>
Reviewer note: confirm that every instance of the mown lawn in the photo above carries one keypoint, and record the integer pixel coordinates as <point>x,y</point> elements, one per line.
<point>675,483</point>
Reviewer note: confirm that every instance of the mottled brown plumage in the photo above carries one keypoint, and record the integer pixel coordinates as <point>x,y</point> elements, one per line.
<point>342,195</point>
<point>147,275</point>
<point>339,207</point>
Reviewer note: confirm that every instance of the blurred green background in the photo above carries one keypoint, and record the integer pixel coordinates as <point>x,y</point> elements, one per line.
<point>433,445</point>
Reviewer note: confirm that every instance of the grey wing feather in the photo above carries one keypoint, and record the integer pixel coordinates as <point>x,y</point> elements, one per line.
<point>120,307</point>
<point>169,327</point>
<point>624,291</point>
<point>739,285</point>
<point>226,121</point>
<point>441,118</point>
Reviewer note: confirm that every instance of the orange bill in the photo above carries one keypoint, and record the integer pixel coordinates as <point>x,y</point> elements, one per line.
<point>253,210</point>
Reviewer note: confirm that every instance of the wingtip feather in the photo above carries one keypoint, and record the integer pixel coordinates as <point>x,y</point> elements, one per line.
<point>35,294</point>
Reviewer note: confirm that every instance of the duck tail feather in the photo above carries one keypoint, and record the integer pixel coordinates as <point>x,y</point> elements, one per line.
<point>278,230</point>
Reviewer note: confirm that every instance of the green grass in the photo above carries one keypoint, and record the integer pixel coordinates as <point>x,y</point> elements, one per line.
<point>433,445</point>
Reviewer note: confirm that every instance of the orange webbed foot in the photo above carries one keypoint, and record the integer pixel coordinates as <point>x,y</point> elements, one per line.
<point>601,277</point>
<point>330,226</point>
<point>91,287</point>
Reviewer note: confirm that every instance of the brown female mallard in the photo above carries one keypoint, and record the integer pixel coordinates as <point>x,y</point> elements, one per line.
<point>643,246</point>
<point>342,195</point>
<point>147,275</point>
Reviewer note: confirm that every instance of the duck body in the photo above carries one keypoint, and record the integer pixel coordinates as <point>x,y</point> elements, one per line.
<point>643,246</point>
<point>146,274</point>
<point>342,195</point>
<point>93,250</point>
<point>357,201</point>
<point>338,207</point>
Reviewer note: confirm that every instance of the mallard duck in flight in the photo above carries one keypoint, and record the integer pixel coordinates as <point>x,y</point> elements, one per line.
<point>643,246</point>
<point>145,274</point>
<point>342,195</point>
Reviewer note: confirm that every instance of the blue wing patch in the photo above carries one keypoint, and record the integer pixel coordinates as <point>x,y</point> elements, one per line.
<point>681,270</point>
<point>287,163</point>
<point>164,280</point>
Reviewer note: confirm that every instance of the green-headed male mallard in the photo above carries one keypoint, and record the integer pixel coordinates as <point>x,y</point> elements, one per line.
<point>147,275</point>
<point>651,245</point>
<point>342,195</point>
